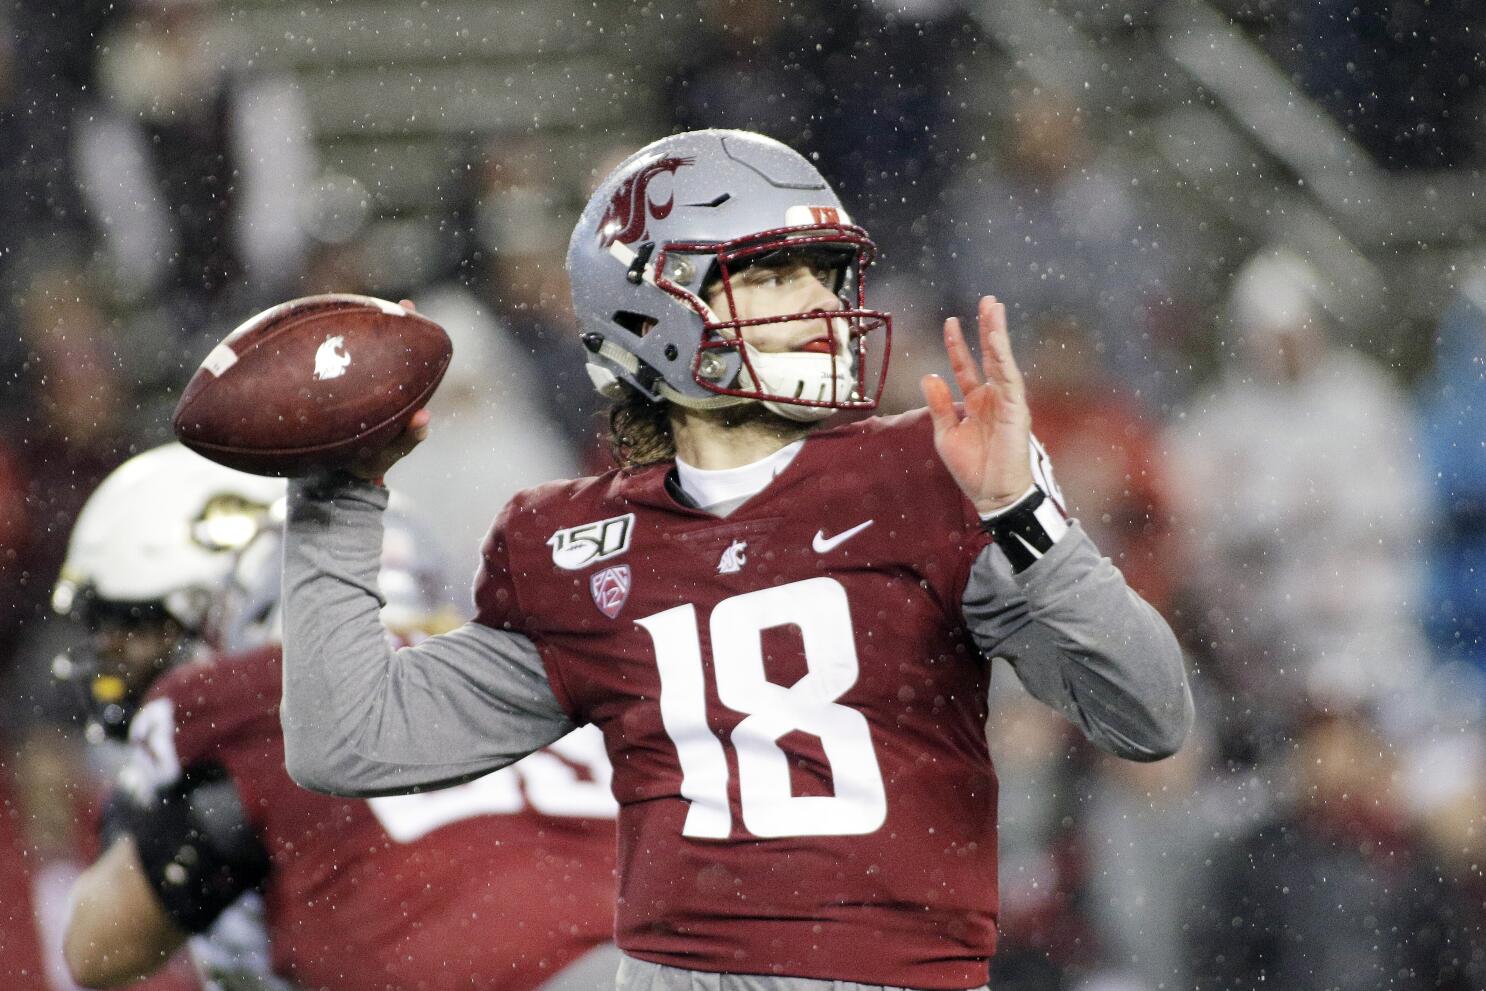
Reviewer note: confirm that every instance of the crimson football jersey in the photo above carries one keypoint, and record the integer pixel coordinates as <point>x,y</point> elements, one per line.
<point>495,884</point>
<point>793,707</point>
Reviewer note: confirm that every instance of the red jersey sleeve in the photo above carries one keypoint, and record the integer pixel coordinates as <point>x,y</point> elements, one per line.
<point>196,713</point>
<point>497,604</point>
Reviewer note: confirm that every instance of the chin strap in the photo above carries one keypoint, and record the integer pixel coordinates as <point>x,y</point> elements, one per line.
<point>609,385</point>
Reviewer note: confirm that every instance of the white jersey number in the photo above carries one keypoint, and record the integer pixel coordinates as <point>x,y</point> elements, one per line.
<point>546,783</point>
<point>818,608</point>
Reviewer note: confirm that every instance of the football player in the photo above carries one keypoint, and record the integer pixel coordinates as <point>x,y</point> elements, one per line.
<point>505,883</point>
<point>783,627</point>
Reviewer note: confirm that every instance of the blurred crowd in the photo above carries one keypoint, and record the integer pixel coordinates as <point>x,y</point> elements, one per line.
<point>1308,513</point>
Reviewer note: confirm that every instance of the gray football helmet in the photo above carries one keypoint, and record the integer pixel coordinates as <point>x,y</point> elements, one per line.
<point>683,215</point>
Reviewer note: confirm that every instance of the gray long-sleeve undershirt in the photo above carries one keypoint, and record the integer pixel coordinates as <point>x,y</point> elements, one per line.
<point>1082,642</point>
<point>361,719</point>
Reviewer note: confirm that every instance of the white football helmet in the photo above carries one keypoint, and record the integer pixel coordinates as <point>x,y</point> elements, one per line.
<point>149,556</point>
<point>165,528</point>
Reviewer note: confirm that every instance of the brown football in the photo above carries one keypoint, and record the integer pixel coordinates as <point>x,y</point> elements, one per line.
<point>312,383</point>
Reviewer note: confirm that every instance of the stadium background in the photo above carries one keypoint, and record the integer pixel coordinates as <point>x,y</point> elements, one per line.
<point>1242,246</point>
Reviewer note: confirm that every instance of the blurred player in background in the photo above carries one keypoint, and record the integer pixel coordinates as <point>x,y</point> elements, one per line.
<point>504,883</point>
<point>783,628</point>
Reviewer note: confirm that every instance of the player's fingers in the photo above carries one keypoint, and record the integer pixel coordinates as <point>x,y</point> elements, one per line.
<point>991,320</point>
<point>995,345</point>
<point>941,403</point>
<point>960,361</point>
<point>412,435</point>
<point>407,304</point>
<point>377,464</point>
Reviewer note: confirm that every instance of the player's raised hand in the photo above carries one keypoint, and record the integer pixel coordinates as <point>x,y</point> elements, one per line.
<point>986,449</point>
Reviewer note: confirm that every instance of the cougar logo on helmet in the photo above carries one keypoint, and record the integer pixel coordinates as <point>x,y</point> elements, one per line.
<point>631,209</point>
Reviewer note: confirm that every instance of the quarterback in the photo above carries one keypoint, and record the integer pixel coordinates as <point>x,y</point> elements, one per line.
<point>782,627</point>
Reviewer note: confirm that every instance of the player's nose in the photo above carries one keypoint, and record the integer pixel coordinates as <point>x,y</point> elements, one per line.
<point>821,298</point>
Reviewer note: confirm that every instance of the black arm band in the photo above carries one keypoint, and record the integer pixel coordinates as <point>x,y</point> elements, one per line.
<point>1026,530</point>
<point>198,850</point>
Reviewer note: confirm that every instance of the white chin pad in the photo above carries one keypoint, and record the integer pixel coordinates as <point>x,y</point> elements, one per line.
<point>800,375</point>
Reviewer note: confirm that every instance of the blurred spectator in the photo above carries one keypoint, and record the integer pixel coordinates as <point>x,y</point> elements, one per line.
<point>1106,453</point>
<point>74,426</point>
<point>1052,224</point>
<point>490,436</point>
<point>1446,781</point>
<point>39,857</point>
<point>1150,830</point>
<point>1404,76</point>
<point>520,279</point>
<point>1045,934</point>
<point>47,63</point>
<point>15,529</point>
<point>748,68</point>
<point>194,159</point>
<point>1299,480</point>
<point>1453,403</point>
<point>871,107</point>
<point>1338,891</point>
<point>50,793</point>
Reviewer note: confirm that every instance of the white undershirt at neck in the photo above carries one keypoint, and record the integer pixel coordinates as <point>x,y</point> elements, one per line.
<point>719,491</point>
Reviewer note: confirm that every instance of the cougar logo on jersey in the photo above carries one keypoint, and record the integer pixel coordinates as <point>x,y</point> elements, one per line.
<point>579,546</point>
<point>331,360</point>
<point>733,558</point>
<point>631,209</point>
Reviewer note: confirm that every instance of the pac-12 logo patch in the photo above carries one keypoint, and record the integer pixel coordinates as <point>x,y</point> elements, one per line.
<point>610,588</point>
<point>588,543</point>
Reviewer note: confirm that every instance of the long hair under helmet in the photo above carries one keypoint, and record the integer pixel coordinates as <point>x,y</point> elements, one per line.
<point>684,215</point>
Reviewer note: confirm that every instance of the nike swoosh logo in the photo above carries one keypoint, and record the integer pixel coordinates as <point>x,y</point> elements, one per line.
<point>824,544</point>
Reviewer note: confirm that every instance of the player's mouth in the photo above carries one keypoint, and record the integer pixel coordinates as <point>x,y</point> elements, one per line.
<point>818,345</point>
